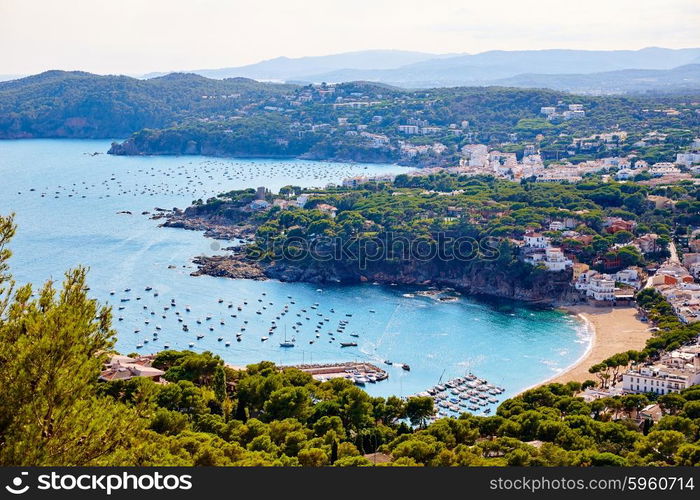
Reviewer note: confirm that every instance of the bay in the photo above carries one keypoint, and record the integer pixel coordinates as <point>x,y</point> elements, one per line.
<point>67,202</point>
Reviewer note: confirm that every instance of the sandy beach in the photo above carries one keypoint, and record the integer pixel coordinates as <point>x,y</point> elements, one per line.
<point>614,330</point>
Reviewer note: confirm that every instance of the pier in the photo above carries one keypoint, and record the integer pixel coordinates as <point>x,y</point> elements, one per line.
<point>359,373</point>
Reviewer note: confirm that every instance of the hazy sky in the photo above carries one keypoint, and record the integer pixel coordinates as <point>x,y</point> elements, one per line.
<point>139,36</point>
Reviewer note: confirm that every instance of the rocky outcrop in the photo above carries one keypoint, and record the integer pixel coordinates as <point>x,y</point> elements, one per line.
<point>514,281</point>
<point>126,148</point>
<point>229,266</point>
<point>217,226</point>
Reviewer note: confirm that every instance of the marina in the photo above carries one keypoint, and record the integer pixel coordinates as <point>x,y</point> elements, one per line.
<point>462,394</point>
<point>358,373</point>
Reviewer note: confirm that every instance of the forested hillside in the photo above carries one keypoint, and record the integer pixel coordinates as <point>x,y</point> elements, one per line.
<point>83,105</point>
<point>358,121</point>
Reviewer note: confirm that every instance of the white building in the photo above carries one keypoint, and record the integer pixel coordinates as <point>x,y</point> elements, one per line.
<point>555,260</point>
<point>601,287</point>
<point>536,240</point>
<point>624,174</point>
<point>409,129</point>
<point>583,280</point>
<point>257,205</point>
<point>629,276</point>
<point>688,159</point>
<point>476,154</point>
<point>663,168</point>
<point>556,225</point>
<point>430,130</point>
<point>674,372</point>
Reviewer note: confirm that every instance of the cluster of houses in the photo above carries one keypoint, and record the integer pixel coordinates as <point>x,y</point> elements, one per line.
<point>476,159</point>
<point>415,126</point>
<point>680,368</point>
<point>409,150</point>
<point>262,195</point>
<point>538,250</point>
<point>676,283</point>
<point>602,288</point>
<point>563,112</point>
<point>599,288</point>
<point>673,372</point>
<point>358,180</point>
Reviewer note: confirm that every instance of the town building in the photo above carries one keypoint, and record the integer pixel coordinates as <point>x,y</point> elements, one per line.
<point>630,276</point>
<point>688,159</point>
<point>327,209</point>
<point>556,225</point>
<point>536,240</point>
<point>257,205</point>
<point>601,288</point>
<point>124,368</point>
<point>409,129</point>
<point>555,260</point>
<point>675,371</point>
<point>663,168</point>
<point>598,287</point>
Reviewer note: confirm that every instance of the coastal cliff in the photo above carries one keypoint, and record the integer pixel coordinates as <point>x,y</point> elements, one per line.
<point>483,278</point>
<point>259,241</point>
<point>155,143</point>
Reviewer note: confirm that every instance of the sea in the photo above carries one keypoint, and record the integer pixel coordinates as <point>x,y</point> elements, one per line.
<point>70,199</point>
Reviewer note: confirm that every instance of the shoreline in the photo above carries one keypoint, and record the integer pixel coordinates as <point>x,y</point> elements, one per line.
<point>612,330</point>
<point>608,330</point>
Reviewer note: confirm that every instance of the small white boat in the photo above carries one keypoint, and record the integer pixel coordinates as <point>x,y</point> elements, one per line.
<point>360,380</point>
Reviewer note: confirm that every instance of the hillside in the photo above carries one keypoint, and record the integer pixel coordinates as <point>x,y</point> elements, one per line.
<point>83,105</point>
<point>359,121</point>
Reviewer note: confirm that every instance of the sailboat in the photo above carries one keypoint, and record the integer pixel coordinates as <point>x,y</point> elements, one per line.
<point>286,342</point>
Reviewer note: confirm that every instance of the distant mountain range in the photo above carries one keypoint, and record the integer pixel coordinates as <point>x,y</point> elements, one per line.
<point>651,69</point>
<point>285,68</point>
<point>678,79</point>
<point>586,71</point>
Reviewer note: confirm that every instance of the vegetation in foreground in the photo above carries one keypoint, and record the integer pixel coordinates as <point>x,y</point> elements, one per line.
<point>53,410</point>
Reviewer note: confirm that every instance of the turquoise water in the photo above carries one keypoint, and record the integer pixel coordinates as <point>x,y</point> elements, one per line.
<point>76,222</point>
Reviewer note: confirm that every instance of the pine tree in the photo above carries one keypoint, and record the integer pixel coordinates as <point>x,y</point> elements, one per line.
<point>334,451</point>
<point>220,384</point>
<point>52,347</point>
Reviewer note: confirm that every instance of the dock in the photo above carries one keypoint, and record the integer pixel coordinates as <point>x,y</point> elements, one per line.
<point>358,373</point>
